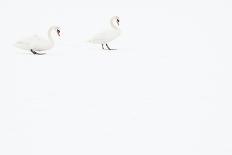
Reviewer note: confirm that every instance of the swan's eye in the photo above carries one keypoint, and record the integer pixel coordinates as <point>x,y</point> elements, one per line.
<point>117,20</point>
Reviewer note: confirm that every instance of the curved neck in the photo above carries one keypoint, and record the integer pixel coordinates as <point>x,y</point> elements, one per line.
<point>50,35</point>
<point>113,24</point>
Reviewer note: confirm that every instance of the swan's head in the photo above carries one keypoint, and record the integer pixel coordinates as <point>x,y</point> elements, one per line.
<point>55,28</point>
<point>116,19</point>
<point>58,31</point>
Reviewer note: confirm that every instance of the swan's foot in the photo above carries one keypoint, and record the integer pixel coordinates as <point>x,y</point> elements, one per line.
<point>35,53</point>
<point>103,47</point>
<point>109,47</point>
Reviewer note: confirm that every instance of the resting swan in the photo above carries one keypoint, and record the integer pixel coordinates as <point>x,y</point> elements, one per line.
<point>36,43</point>
<point>107,36</point>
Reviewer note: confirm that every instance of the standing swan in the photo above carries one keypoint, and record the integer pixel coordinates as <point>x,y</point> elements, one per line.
<point>36,43</point>
<point>107,36</point>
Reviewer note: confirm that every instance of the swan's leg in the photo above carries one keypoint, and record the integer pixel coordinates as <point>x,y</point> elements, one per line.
<point>102,46</point>
<point>108,47</point>
<point>34,52</point>
<point>40,53</point>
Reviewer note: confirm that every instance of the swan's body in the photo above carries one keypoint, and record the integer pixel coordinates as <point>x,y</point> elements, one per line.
<point>107,36</point>
<point>36,43</point>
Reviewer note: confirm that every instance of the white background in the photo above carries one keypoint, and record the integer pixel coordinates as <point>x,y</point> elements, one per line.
<point>167,90</point>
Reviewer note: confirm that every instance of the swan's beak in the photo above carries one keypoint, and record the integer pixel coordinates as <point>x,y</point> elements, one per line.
<point>118,22</point>
<point>58,32</point>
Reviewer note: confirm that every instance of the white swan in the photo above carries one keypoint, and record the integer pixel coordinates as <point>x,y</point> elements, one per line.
<point>36,43</point>
<point>108,36</point>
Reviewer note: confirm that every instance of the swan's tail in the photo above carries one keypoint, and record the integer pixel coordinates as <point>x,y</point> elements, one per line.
<point>21,45</point>
<point>18,44</point>
<point>90,41</point>
<point>94,41</point>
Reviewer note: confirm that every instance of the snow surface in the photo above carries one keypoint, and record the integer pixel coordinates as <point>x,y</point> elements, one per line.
<point>167,90</point>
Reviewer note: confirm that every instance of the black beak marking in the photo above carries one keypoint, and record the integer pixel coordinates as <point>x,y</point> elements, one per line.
<point>58,32</point>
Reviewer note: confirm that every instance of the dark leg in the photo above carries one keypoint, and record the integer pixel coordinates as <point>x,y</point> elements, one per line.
<point>102,46</point>
<point>34,52</point>
<point>108,47</point>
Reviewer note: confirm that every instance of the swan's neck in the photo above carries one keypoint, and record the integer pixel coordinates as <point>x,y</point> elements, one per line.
<point>50,35</point>
<point>113,25</point>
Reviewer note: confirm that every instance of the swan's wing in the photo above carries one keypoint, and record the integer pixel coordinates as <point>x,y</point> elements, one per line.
<point>40,44</point>
<point>105,36</point>
<point>34,42</point>
<point>25,43</point>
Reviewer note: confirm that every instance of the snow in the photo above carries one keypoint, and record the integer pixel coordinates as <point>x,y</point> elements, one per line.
<point>166,90</point>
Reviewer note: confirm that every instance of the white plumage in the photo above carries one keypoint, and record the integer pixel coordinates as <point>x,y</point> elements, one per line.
<point>104,38</point>
<point>36,43</point>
